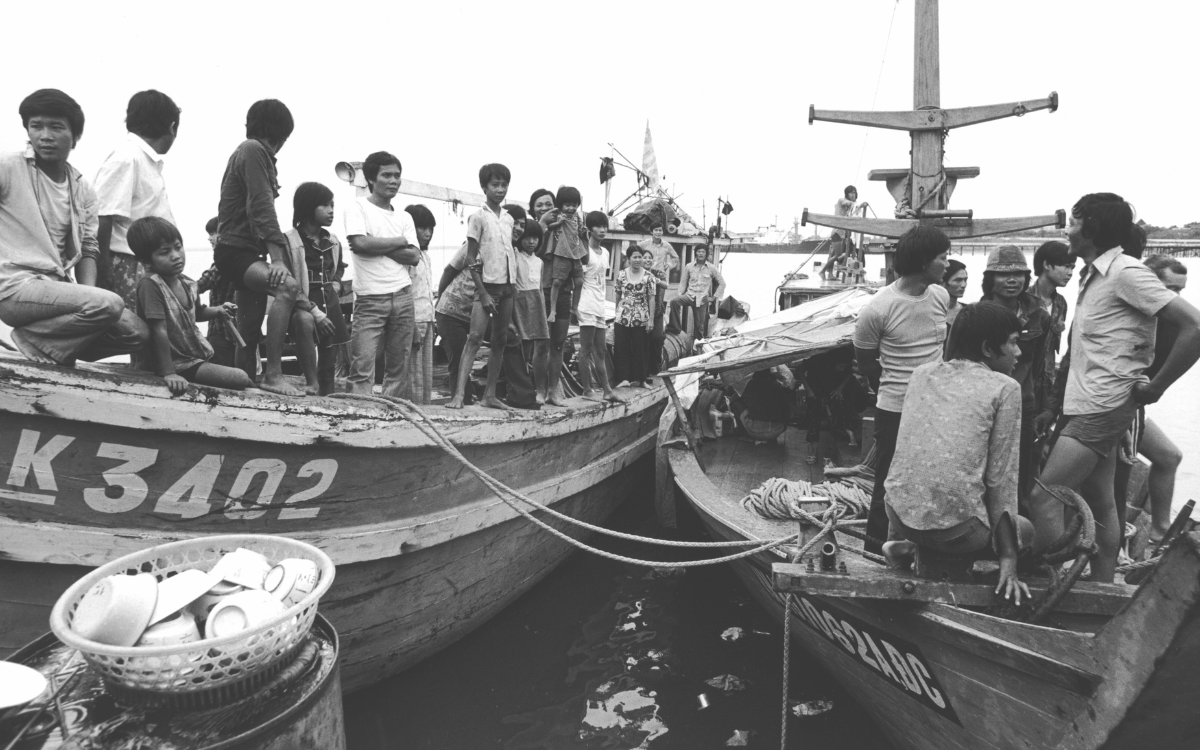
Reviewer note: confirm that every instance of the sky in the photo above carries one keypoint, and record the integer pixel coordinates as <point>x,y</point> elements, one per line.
<point>448,86</point>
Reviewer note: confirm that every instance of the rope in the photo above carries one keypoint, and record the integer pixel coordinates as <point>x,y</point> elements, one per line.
<point>783,498</point>
<point>430,430</point>
<point>878,80</point>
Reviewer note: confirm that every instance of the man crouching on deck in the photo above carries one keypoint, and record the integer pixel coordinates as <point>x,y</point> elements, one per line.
<point>953,482</point>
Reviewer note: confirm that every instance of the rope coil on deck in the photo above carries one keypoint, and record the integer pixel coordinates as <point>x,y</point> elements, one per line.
<point>513,499</point>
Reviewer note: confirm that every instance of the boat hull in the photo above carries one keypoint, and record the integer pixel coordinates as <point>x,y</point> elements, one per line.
<point>425,552</point>
<point>946,678</point>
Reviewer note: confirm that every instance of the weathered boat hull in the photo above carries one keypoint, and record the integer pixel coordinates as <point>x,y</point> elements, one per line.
<point>98,465</point>
<point>942,677</point>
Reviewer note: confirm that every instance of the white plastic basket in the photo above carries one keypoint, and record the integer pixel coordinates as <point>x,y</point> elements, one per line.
<point>212,662</point>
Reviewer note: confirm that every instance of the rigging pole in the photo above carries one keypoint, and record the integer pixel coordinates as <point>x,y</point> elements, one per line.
<point>923,190</point>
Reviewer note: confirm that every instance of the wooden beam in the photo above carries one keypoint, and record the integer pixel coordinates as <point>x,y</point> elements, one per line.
<point>933,119</point>
<point>1084,598</point>
<point>893,228</point>
<point>449,195</point>
<point>953,173</point>
<point>681,416</point>
<point>954,228</point>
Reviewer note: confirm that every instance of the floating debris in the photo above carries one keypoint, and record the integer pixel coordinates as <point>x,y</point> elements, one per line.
<point>732,634</point>
<point>740,738</point>
<point>812,708</point>
<point>728,683</point>
<point>702,699</point>
<point>665,573</point>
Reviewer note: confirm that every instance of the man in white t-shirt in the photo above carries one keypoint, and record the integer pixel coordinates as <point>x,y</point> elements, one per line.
<point>384,244</point>
<point>130,186</point>
<point>900,329</point>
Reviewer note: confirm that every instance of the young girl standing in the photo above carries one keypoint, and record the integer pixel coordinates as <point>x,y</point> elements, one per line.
<point>592,323</point>
<point>635,290</point>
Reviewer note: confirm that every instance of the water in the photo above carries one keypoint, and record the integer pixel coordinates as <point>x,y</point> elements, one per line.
<point>607,655</point>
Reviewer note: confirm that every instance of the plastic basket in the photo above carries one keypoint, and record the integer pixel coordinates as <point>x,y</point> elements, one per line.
<point>212,662</point>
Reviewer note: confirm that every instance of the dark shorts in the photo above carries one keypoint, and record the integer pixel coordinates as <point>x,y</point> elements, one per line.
<point>1101,432</point>
<point>500,291</point>
<point>566,268</point>
<point>233,262</point>
<point>969,537</point>
<point>190,373</point>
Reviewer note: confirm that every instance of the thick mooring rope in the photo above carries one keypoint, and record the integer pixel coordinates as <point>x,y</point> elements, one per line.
<point>513,499</point>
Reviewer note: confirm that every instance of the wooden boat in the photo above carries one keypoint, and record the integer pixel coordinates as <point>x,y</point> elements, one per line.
<point>99,460</point>
<point>1113,668</point>
<point>935,665</point>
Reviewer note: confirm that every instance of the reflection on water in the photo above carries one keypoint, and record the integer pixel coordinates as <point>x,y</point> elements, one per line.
<point>607,655</point>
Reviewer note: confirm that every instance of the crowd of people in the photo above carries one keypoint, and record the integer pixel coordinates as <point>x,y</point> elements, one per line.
<point>94,268</point>
<point>972,409</point>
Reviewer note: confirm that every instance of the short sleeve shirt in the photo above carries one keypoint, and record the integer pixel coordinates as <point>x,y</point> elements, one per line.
<point>130,186</point>
<point>529,272</point>
<point>1112,338</point>
<point>378,274</point>
<point>459,298</point>
<point>907,331</point>
<point>666,259</point>
<point>957,448</point>
<point>494,235</point>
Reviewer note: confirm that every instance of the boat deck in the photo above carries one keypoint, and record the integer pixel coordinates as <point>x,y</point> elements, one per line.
<point>735,465</point>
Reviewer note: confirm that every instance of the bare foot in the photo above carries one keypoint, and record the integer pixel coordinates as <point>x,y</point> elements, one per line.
<point>312,389</point>
<point>29,350</point>
<point>455,403</point>
<point>279,386</point>
<point>614,398</point>
<point>552,401</point>
<point>491,402</point>
<point>590,395</point>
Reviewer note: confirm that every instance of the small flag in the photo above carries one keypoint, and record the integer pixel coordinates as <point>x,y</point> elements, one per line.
<point>649,162</point>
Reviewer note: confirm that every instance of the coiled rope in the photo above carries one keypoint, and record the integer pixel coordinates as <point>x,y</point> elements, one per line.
<point>514,500</point>
<point>785,498</point>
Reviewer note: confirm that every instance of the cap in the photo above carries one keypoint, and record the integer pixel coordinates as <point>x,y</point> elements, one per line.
<point>1007,258</point>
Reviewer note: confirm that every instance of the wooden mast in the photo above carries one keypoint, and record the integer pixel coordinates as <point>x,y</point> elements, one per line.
<point>923,191</point>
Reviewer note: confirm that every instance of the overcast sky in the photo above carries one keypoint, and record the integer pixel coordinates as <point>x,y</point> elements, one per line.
<point>448,86</point>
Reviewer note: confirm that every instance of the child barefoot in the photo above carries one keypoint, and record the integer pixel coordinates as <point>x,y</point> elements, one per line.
<point>169,303</point>
<point>592,324</point>
<point>314,259</point>
<point>529,310</point>
<point>492,264</point>
<point>565,247</point>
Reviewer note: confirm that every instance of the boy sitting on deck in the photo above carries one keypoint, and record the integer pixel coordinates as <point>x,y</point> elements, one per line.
<point>952,487</point>
<point>170,304</point>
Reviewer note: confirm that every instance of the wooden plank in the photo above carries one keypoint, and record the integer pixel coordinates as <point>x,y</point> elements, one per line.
<point>933,119</point>
<point>1085,597</point>
<point>954,228</point>
<point>954,173</point>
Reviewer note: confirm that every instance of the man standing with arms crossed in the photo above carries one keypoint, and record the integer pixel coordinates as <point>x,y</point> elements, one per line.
<point>1112,345</point>
<point>900,329</point>
<point>695,291</point>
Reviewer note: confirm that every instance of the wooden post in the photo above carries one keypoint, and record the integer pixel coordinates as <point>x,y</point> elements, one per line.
<point>927,92</point>
<point>681,416</point>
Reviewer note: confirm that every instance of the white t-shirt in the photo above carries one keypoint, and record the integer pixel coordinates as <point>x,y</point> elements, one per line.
<point>529,272</point>
<point>907,331</point>
<point>130,186</point>
<point>378,274</point>
<point>56,210</point>
<point>595,275</point>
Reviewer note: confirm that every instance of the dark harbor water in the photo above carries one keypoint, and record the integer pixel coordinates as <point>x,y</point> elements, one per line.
<point>602,654</point>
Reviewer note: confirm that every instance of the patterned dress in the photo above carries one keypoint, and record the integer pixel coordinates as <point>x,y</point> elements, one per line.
<point>631,349</point>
